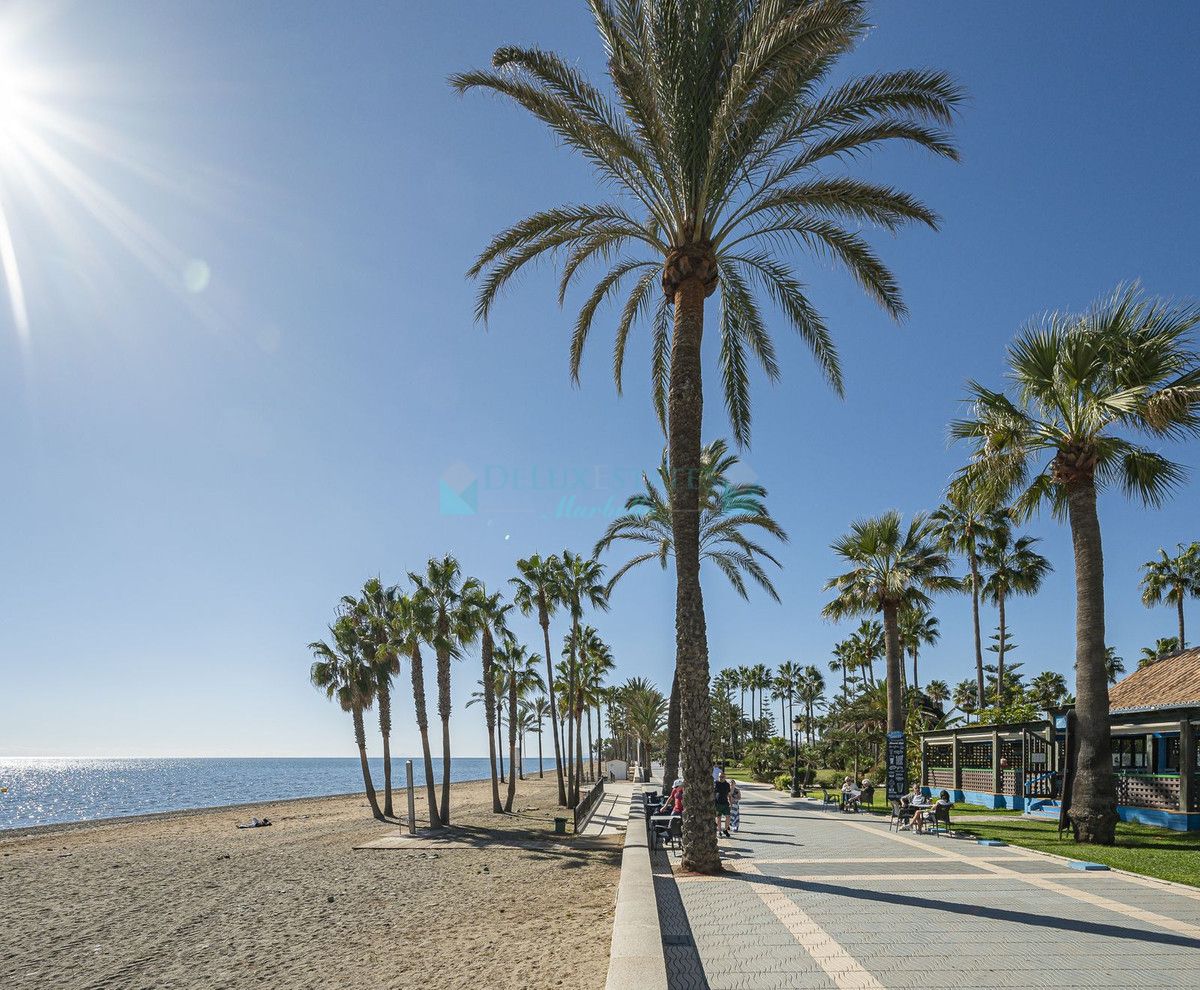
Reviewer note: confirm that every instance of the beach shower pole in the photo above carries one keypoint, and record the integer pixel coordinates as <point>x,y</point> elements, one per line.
<point>412,807</point>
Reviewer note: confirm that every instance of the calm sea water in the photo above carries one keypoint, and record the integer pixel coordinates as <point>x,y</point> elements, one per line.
<point>49,791</point>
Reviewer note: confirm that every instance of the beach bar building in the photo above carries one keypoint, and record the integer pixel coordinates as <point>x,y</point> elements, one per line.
<point>1154,716</point>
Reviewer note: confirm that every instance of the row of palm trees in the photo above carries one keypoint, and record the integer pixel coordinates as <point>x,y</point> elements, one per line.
<point>721,136</point>
<point>1085,385</point>
<point>447,613</point>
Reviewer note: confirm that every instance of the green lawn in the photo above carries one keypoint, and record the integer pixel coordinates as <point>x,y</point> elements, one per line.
<point>1154,852</point>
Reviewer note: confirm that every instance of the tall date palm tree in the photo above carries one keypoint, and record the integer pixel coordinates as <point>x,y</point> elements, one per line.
<point>536,589</point>
<point>1086,386</point>
<point>720,144</point>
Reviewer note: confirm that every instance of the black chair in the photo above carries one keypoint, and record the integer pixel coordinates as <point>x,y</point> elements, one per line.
<point>941,819</point>
<point>827,798</point>
<point>675,833</point>
<point>868,796</point>
<point>898,815</point>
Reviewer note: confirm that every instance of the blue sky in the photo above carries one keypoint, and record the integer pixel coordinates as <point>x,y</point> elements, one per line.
<point>242,385</point>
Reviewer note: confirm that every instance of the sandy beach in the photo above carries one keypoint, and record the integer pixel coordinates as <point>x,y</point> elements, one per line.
<point>190,901</point>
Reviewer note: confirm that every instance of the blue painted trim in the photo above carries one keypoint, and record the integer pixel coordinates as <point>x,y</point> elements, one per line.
<point>990,842</point>
<point>1177,821</point>
<point>1079,864</point>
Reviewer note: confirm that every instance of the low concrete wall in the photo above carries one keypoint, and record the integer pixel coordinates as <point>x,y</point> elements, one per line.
<point>636,958</point>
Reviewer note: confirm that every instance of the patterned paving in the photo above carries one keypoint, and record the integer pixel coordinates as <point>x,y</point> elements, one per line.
<point>814,898</point>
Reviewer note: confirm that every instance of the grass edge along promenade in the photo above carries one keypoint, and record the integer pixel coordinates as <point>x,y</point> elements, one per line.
<point>1143,849</point>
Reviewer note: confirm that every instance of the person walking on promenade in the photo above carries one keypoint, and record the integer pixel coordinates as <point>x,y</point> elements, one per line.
<point>735,805</point>
<point>722,787</point>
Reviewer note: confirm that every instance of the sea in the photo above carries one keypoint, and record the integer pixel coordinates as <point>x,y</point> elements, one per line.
<point>50,791</point>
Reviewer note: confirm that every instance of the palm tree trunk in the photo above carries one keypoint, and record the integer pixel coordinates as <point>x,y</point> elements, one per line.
<point>541,772</point>
<point>1001,646</point>
<point>895,662</point>
<point>685,413</point>
<point>443,670</point>
<point>544,621</point>
<point>489,689</point>
<point>418,687</point>
<point>1093,798</point>
<point>385,730</point>
<point>974,560</point>
<point>916,683</point>
<point>360,740</point>
<point>671,757</point>
<point>591,747</point>
<point>1179,609</point>
<point>512,742</point>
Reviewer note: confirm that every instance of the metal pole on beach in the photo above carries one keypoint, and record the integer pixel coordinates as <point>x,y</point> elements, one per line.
<point>412,806</point>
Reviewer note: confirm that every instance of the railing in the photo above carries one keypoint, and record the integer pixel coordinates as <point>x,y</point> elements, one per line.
<point>1043,785</point>
<point>583,810</point>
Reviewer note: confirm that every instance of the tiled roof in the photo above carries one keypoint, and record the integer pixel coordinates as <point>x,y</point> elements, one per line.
<point>1173,681</point>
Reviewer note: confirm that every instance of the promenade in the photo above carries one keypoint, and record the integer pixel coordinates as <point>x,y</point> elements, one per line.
<point>814,898</point>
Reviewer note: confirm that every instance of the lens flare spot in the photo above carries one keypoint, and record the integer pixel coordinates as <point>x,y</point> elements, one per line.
<point>196,275</point>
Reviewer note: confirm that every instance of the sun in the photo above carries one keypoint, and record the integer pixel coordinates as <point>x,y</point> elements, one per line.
<point>61,167</point>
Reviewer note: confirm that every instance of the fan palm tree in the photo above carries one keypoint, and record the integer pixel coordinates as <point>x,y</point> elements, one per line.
<point>580,585</point>
<point>414,621</point>
<point>539,708</point>
<point>892,567</point>
<point>372,612</point>
<point>1013,567</point>
<point>810,690</point>
<point>918,627</point>
<point>443,586</point>
<point>536,590</point>
<point>1114,666</point>
<point>521,677</point>
<point>342,672</point>
<point>843,660</point>
<point>645,715</point>
<point>720,142</point>
<point>938,692</point>
<point>486,615</point>
<point>1171,580</point>
<point>1085,387</point>
<point>596,663</point>
<point>1048,689</point>
<point>787,679</point>
<point>962,522</point>
<point>866,645</point>
<point>966,699</point>
<point>1164,646</point>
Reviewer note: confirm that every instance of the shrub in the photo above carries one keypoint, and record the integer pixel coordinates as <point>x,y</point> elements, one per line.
<point>783,782</point>
<point>766,758</point>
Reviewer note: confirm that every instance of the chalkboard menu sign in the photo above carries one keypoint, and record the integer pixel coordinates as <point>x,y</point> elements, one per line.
<point>897,766</point>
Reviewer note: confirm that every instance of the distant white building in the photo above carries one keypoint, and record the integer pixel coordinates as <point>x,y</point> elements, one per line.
<point>617,770</point>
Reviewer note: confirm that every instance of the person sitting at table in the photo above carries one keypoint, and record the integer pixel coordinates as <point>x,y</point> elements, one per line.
<point>922,814</point>
<point>913,798</point>
<point>673,805</point>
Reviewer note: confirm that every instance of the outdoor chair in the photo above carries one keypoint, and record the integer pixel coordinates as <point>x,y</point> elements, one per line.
<point>827,798</point>
<point>675,833</point>
<point>851,804</point>
<point>942,819</point>
<point>897,818</point>
<point>868,796</point>
<point>938,819</point>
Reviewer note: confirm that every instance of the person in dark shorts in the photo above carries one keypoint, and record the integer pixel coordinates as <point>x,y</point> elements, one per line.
<point>722,787</point>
